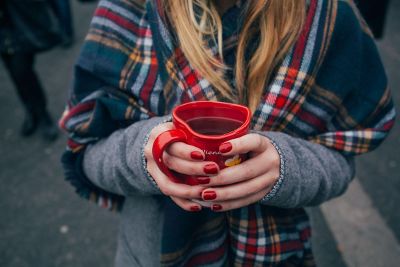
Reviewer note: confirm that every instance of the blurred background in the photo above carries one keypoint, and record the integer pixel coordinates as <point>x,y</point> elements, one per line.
<point>43,222</point>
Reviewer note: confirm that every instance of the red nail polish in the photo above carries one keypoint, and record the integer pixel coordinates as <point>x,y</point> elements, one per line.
<point>225,147</point>
<point>216,207</point>
<point>209,195</point>
<point>211,169</point>
<point>195,208</point>
<point>203,180</point>
<point>196,155</point>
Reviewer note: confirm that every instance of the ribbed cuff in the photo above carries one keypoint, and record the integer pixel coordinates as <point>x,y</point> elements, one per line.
<point>278,183</point>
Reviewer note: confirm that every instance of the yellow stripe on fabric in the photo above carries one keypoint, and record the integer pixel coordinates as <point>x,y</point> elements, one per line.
<point>99,36</point>
<point>171,69</point>
<point>168,91</point>
<point>136,56</point>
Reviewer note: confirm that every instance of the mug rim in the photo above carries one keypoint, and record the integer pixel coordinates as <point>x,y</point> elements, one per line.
<point>230,135</point>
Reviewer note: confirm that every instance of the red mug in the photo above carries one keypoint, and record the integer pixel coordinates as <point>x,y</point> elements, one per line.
<point>206,125</point>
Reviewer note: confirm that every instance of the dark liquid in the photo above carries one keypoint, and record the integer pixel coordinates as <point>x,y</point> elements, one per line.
<point>213,125</point>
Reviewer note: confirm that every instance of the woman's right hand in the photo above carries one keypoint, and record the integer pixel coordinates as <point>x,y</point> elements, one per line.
<point>181,158</point>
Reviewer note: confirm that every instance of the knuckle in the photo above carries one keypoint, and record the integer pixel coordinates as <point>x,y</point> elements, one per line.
<point>223,195</point>
<point>193,193</point>
<point>259,184</point>
<point>193,169</point>
<point>186,194</point>
<point>190,193</point>
<point>261,142</point>
<point>219,180</point>
<point>239,143</point>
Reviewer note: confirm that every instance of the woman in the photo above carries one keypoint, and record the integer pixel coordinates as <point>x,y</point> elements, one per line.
<point>309,71</point>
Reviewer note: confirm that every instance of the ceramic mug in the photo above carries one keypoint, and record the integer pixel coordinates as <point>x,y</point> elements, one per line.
<point>206,125</point>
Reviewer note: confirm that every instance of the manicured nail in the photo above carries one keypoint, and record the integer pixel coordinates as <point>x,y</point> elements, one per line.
<point>203,180</point>
<point>209,195</point>
<point>216,207</point>
<point>196,155</point>
<point>195,208</point>
<point>225,147</point>
<point>211,169</point>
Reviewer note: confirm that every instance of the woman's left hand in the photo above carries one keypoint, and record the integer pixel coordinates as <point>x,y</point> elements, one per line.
<point>241,185</point>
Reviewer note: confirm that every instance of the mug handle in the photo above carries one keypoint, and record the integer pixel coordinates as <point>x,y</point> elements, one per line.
<point>161,143</point>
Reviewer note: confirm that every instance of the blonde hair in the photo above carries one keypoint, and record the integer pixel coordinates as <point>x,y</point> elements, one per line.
<point>278,24</point>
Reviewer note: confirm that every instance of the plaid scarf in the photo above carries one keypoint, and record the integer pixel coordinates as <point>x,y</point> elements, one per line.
<point>330,89</point>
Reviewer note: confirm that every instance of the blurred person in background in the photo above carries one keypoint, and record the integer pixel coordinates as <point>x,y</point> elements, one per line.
<point>62,10</point>
<point>374,12</point>
<point>27,28</point>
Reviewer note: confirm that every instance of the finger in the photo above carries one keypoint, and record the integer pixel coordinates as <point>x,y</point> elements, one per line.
<point>187,204</point>
<point>246,170</point>
<point>190,167</point>
<point>242,145</point>
<point>239,190</point>
<point>170,188</point>
<point>238,203</point>
<point>185,151</point>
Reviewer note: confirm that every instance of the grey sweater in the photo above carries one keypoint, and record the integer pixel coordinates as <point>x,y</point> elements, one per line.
<point>310,174</point>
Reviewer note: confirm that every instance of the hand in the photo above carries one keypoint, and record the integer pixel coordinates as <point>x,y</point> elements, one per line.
<point>181,158</point>
<point>248,182</point>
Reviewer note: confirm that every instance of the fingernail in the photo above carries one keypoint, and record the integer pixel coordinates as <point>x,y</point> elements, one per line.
<point>203,180</point>
<point>225,147</point>
<point>196,155</point>
<point>211,169</point>
<point>216,207</point>
<point>195,208</point>
<point>209,195</point>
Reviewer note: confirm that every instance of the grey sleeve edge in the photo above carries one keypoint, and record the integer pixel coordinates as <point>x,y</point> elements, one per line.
<point>144,160</point>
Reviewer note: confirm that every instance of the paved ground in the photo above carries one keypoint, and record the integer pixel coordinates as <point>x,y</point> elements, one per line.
<point>43,223</point>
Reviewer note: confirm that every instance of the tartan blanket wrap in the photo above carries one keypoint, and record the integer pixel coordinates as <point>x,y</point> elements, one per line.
<point>330,89</point>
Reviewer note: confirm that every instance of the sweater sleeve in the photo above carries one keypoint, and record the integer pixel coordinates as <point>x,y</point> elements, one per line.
<point>117,164</point>
<point>310,173</point>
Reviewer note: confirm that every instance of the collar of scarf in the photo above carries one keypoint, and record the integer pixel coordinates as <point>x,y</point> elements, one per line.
<point>207,238</point>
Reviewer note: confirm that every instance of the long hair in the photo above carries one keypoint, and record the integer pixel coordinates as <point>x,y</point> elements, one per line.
<point>276,24</point>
